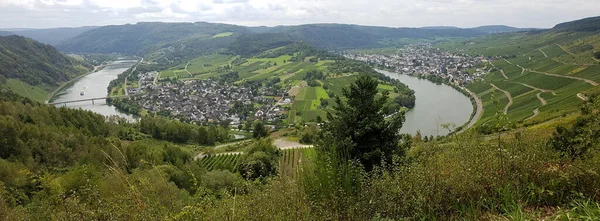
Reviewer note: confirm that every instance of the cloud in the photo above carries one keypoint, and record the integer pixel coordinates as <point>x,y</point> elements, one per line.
<point>394,13</point>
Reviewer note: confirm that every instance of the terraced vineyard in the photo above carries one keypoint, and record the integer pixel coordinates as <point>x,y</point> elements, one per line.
<point>221,162</point>
<point>293,161</point>
<point>543,73</point>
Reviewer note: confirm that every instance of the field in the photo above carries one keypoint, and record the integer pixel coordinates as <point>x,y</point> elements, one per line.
<point>552,65</point>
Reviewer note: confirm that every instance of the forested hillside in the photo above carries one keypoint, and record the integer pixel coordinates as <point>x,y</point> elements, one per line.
<point>586,24</point>
<point>160,38</point>
<point>33,69</point>
<point>341,36</point>
<point>142,38</point>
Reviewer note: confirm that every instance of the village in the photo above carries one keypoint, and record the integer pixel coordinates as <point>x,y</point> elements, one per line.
<point>424,59</point>
<point>209,100</point>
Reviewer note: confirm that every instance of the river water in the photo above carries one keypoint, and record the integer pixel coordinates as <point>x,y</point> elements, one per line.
<point>93,86</point>
<point>434,105</point>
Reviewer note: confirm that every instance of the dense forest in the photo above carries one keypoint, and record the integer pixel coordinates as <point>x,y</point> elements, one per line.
<point>36,63</point>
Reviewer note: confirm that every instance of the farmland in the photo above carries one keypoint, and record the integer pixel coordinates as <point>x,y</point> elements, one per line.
<point>547,64</point>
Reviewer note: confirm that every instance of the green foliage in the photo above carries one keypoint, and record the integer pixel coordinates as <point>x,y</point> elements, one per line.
<point>261,160</point>
<point>36,63</point>
<point>178,132</point>
<point>358,130</point>
<point>260,130</point>
<point>309,134</point>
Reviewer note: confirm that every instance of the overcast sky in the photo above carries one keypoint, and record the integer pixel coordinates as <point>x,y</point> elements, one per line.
<point>393,13</point>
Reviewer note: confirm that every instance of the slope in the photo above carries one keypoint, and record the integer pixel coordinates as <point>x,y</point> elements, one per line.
<point>543,70</point>
<point>32,69</point>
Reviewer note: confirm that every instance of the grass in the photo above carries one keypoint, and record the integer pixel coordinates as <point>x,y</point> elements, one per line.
<point>37,93</point>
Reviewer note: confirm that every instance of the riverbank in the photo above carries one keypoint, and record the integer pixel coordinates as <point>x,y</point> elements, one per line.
<point>60,88</point>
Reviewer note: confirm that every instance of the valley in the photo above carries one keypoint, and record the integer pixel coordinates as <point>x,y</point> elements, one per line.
<point>216,121</point>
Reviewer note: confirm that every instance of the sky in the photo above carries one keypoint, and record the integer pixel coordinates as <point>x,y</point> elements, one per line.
<point>391,13</point>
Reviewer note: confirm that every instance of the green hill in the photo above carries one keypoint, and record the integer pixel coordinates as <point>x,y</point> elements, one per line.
<point>586,24</point>
<point>148,37</point>
<point>144,37</point>
<point>32,69</point>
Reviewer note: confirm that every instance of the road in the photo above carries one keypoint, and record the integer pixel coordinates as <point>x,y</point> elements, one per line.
<point>132,70</point>
<point>510,100</point>
<point>478,111</point>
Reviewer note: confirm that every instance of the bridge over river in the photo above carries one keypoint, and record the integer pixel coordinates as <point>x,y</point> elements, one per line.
<point>87,99</point>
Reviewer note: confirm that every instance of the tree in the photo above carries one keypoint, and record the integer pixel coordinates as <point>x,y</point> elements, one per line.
<point>260,130</point>
<point>576,141</point>
<point>358,128</point>
<point>261,160</point>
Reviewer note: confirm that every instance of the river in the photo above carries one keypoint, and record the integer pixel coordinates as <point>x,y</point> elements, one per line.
<point>94,85</point>
<point>434,105</point>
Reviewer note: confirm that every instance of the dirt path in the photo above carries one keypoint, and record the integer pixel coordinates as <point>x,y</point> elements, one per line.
<point>534,88</point>
<point>503,75</point>
<point>478,110</point>
<point>510,100</point>
<point>593,83</point>
<point>565,50</point>
<point>283,144</point>
<point>186,70</point>
<point>545,55</point>
<point>582,97</point>
<point>536,112</point>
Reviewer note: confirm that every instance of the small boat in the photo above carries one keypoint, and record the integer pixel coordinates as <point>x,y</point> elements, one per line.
<point>82,91</point>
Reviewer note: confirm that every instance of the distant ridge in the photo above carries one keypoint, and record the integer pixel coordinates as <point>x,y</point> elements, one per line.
<point>586,24</point>
<point>439,27</point>
<point>500,29</point>
<point>52,36</point>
